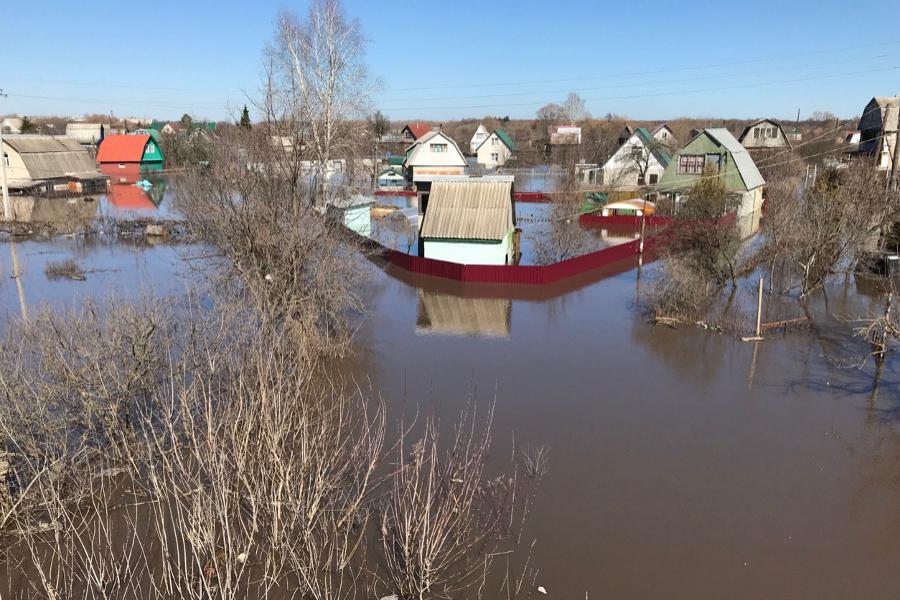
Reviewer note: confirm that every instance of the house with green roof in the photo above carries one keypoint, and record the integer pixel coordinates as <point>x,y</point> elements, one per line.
<point>496,150</point>
<point>640,161</point>
<point>716,152</point>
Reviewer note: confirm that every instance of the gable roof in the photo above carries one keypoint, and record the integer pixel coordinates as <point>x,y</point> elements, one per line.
<point>417,149</point>
<point>747,129</point>
<point>48,157</point>
<point>652,144</point>
<point>417,129</point>
<point>504,137</point>
<point>742,160</point>
<point>660,127</point>
<point>122,148</point>
<point>469,209</point>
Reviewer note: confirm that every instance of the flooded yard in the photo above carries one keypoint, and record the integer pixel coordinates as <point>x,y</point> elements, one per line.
<point>683,463</point>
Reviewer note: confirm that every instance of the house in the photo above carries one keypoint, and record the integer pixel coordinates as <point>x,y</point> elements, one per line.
<point>162,127</point>
<point>625,134</point>
<point>134,152</point>
<point>354,212</point>
<point>391,178</point>
<point>562,135</point>
<point>480,135</point>
<point>764,134</point>
<point>413,131</point>
<point>640,160</point>
<point>878,126</point>
<point>716,151</point>
<point>433,155</point>
<point>665,136</point>
<point>495,150</point>
<point>470,221</point>
<point>88,134</point>
<point>11,125</point>
<point>49,163</point>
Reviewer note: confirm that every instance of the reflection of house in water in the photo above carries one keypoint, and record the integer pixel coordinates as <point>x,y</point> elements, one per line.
<point>455,315</point>
<point>125,195</point>
<point>67,215</point>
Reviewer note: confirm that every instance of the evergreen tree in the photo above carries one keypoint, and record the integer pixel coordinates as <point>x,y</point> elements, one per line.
<point>245,119</point>
<point>28,125</point>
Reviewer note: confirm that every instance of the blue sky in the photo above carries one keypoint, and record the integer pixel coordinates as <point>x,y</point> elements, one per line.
<point>652,59</point>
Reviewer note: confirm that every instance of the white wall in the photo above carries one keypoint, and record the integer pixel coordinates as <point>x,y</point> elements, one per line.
<point>17,175</point>
<point>469,253</point>
<point>481,134</point>
<point>622,171</point>
<point>493,145</point>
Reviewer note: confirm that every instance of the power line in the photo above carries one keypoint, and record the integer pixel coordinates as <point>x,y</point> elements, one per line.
<point>655,94</point>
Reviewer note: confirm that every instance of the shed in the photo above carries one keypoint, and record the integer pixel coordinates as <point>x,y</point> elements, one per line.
<point>44,160</point>
<point>355,212</point>
<point>470,221</point>
<point>132,149</point>
<point>391,177</point>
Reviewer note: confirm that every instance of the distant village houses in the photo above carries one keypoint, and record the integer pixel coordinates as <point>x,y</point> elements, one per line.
<point>665,136</point>
<point>878,129</point>
<point>89,134</point>
<point>495,150</point>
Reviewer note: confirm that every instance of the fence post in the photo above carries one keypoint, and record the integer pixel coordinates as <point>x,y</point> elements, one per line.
<point>759,308</point>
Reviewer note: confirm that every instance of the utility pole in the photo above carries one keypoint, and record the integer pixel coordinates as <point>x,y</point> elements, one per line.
<point>896,155</point>
<point>7,207</point>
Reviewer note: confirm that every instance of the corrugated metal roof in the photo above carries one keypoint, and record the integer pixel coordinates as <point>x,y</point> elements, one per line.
<point>48,157</point>
<point>469,210</point>
<point>26,143</point>
<point>122,148</point>
<point>742,160</point>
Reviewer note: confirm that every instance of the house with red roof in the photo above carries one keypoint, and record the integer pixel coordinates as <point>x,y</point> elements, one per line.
<point>128,151</point>
<point>414,131</point>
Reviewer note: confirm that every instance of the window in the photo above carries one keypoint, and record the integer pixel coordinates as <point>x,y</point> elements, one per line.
<point>6,158</point>
<point>438,147</point>
<point>713,160</point>
<point>757,133</point>
<point>771,132</point>
<point>654,178</point>
<point>495,142</point>
<point>691,164</point>
<point>495,157</point>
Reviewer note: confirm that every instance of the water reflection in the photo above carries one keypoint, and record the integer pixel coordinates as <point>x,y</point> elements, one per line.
<point>134,190</point>
<point>457,315</point>
<point>66,214</point>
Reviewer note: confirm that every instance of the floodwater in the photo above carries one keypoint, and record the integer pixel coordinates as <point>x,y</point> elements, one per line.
<point>683,463</point>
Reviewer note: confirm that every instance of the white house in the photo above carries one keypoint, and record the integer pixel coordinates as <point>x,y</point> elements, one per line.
<point>470,221</point>
<point>496,149</point>
<point>87,134</point>
<point>665,136</point>
<point>481,134</point>
<point>564,135</point>
<point>435,154</point>
<point>391,178</point>
<point>764,134</point>
<point>641,160</point>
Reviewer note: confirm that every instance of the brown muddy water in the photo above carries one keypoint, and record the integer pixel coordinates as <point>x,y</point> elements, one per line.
<point>683,463</point>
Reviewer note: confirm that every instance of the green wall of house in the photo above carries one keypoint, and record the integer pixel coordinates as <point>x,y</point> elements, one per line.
<point>702,144</point>
<point>153,154</point>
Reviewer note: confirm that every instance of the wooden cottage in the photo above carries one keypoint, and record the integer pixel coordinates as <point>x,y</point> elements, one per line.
<point>48,163</point>
<point>717,152</point>
<point>470,221</point>
<point>130,152</point>
<point>763,135</point>
<point>640,161</point>
<point>479,136</point>
<point>496,149</point>
<point>878,126</point>
<point>414,131</point>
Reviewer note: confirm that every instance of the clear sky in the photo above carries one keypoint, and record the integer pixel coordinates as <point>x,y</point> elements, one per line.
<point>647,59</point>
